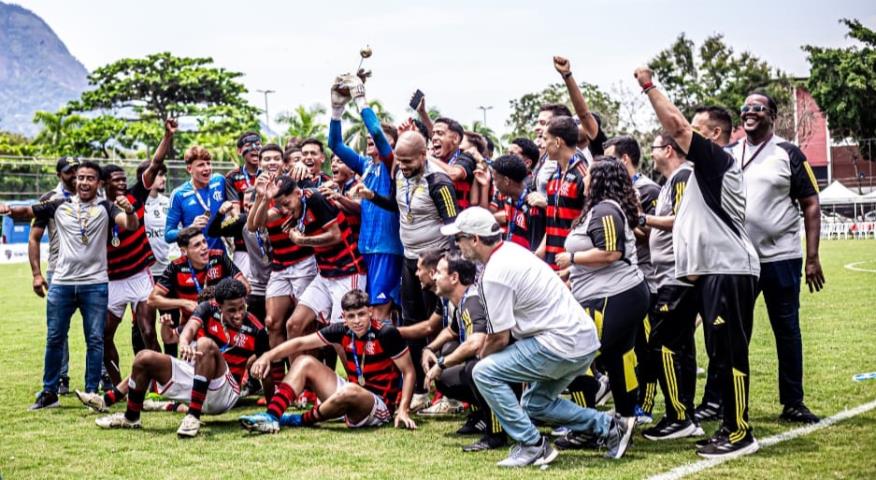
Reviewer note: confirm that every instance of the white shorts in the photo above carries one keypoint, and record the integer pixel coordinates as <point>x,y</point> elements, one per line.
<point>293,280</point>
<point>241,259</point>
<point>380,414</point>
<point>222,394</point>
<point>323,296</point>
<point>129,291</point>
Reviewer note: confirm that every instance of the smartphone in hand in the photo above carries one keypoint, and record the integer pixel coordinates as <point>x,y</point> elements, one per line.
<point>416,98</point>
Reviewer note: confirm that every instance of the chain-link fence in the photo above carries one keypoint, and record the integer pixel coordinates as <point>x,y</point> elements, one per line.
<point>26,178</point>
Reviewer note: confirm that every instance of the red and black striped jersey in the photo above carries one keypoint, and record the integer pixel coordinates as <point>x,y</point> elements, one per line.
<point>376,352</point>
<point>341,259</point>
<point>237,344</point>
<point>284,252</point>
<point>181,280</point>
<point>354,220</point>
<point>134,254</point>
<point>315,182</point>
<point>565,201</point>
<point>237,181</point>
<point>463,187</point>
<point>525,224</point>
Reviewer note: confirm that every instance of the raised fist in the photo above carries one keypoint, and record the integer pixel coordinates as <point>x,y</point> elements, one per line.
<point>562,65</point>
<point>644,75</point>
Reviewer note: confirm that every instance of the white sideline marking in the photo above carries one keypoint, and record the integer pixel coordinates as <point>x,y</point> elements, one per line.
<point>854,267</point>
<point>691,468</point>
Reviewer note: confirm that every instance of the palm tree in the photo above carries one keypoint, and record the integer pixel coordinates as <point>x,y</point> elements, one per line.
<point>304,122</point>
<point>55,126</point>
<point>356,135</point>
<point>478,127</point>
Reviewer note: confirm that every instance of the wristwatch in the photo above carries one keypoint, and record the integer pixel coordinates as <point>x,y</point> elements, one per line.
<point>441,363</point>
<point>643,220</point>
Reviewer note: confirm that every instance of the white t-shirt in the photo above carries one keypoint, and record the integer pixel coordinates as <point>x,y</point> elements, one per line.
<point>155,218</point>
<point>521,293</point>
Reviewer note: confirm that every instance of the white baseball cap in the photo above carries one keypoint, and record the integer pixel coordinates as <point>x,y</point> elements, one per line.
<point>473,221</point>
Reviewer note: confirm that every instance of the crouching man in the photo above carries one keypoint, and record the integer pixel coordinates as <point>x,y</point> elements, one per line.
<point>376,356</point>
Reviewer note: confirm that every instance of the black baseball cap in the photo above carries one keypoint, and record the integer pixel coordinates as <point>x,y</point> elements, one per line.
<point>66,163</point>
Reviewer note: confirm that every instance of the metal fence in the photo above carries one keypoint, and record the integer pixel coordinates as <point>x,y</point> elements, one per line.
<point>27,178</point>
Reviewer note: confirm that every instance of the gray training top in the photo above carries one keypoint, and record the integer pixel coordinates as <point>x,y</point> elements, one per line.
<point>604,227</point>
<point>662,255</point>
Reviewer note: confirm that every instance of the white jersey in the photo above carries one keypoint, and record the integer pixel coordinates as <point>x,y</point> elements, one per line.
<point>155,219</point>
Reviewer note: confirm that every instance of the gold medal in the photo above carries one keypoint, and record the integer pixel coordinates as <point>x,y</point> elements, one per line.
<point>115,242</point>
<point>410,217</point>
<point>361,381</point>
<point>85,239</point>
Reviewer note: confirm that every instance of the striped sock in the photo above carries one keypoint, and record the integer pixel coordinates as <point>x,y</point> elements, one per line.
<point>283,396</point>
<point>112,396</point>
<point>199,394</point>
<point>312,416</point>
<point>135,404</point>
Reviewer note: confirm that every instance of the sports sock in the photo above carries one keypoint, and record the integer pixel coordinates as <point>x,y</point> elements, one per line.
<point>135,401</point>
<point>199,393</point>
<point>311,416</point>
<point>112,396</point>
<point>283,396</point>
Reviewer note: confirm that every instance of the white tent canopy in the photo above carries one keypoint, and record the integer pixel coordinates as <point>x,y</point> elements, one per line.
<point>837,194</point>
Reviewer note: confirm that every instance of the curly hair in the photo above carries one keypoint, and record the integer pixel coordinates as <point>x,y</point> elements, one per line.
<point>609,180</point>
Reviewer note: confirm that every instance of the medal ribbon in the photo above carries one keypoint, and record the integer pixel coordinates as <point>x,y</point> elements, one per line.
<point>360,372</point>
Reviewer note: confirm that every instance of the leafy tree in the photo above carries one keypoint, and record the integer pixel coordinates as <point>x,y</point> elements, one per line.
<point>55,127</point>
<point>478,127</point>
<point>715,75</point>
<point>524,110</point>
<point>843,83</point>
<point>304,122</point>
<point>355,133</point>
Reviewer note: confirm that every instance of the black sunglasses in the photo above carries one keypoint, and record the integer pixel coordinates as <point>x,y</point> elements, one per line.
<point>756,108</point>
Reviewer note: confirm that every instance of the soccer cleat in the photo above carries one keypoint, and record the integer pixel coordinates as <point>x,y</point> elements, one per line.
<point>603,395</point>
<point>93,401</point>
<point>419,402</point>
<point>724,448</point>
<point>522,455</point>
<point>578,441</point>
<point>487,442</point>
<point>473,425</point>
<point>706,412</point>
<point>64,386</point>
<point>620,436</point>
<point>798,413</point>
<point>45,399</point>
<point>444,406</point>
<point>260,423</point>
<point>720,434</point>
<point>667,429</point>
<point>642,417</point>
<point>117,420</point>
<point>291,420</point>
<point>189,427</point>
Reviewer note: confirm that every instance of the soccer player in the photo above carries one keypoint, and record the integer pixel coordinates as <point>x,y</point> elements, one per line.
<point>237,181</point>
<point>525,224</point>
<point>555,340</point>
<point>450,358</point>
<point>447,135</point>
<point>215,345</point>
<point>379,240</point>
<point>779,185</point>
<point>380,375</point>
<point>711,219</point>
<point>80,280</point>
<point>66,172</point>
<point>194,202</point>
<point>313,157</point>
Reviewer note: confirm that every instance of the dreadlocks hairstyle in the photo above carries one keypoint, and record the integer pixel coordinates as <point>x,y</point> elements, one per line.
<point>609,180</point>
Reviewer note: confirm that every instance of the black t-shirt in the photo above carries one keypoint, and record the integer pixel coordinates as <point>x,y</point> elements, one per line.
<point>470,317</point>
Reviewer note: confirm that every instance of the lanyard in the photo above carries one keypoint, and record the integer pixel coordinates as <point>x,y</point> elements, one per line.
<point>195,277</point>
<point>301,224</point>
<point>409,197</point>
<point>206,206</point>
<point>82,220</point>
<point>512,221</point>
<point>756,152</point>
<point>560,174</point>
<point>246,176</point>
<point>452,160</point>
<point>445,312</point>
<point>261,242</point>
<point>347,186</point>
<point>360,368</point>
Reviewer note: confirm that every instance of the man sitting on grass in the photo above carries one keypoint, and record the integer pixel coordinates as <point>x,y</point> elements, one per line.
<point>376,356</point>
<point>215,347</point>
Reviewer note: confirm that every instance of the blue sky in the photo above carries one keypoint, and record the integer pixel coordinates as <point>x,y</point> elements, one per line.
<point>461,54</point>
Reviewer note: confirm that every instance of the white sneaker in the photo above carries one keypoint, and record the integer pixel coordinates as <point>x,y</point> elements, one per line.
<point>93,401</point>
<point>189,426</point>
<point>603,395</point>
<point>117,420</point>
<point>444,406</point>
<point>419,402</point>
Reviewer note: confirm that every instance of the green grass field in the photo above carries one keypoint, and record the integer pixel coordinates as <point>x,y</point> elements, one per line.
<point>839,328</point>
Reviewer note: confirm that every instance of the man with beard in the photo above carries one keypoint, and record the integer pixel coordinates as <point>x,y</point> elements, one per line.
<point>80,279</point>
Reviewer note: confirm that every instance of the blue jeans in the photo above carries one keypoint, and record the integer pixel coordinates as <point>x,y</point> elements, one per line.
<point>63,300</point>
<point>65,367</point>
<point>547,375</point>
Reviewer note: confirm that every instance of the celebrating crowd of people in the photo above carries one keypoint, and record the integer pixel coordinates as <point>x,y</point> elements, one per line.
<point>527,288</point>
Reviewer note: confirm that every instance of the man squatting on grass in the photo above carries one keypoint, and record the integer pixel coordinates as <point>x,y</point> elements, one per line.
<point>515,318</point>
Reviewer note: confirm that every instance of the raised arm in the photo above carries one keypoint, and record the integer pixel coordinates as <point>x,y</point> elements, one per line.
<point>669,116</point>
<point>157,162</point>
<point>588,122</point>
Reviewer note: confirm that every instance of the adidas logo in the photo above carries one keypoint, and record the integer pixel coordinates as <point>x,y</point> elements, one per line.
<point>381,296</point>
<point>718,321</point>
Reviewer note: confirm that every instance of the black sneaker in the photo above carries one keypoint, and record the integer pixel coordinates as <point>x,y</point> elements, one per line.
<point>45,400</point>
<point>707,411</point>
<point>578,441</point>
<point>474,425</point>
<point>64,386</point>
<point>799,414</point>
<point>719,435</point>
<point>620,436</point>
<point>487,442</point>
<point>724,448</point>
<point>668,429</point>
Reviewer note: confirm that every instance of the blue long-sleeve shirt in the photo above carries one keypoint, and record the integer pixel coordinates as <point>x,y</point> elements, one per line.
<point>379,231</point>
<point>186,203</point>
